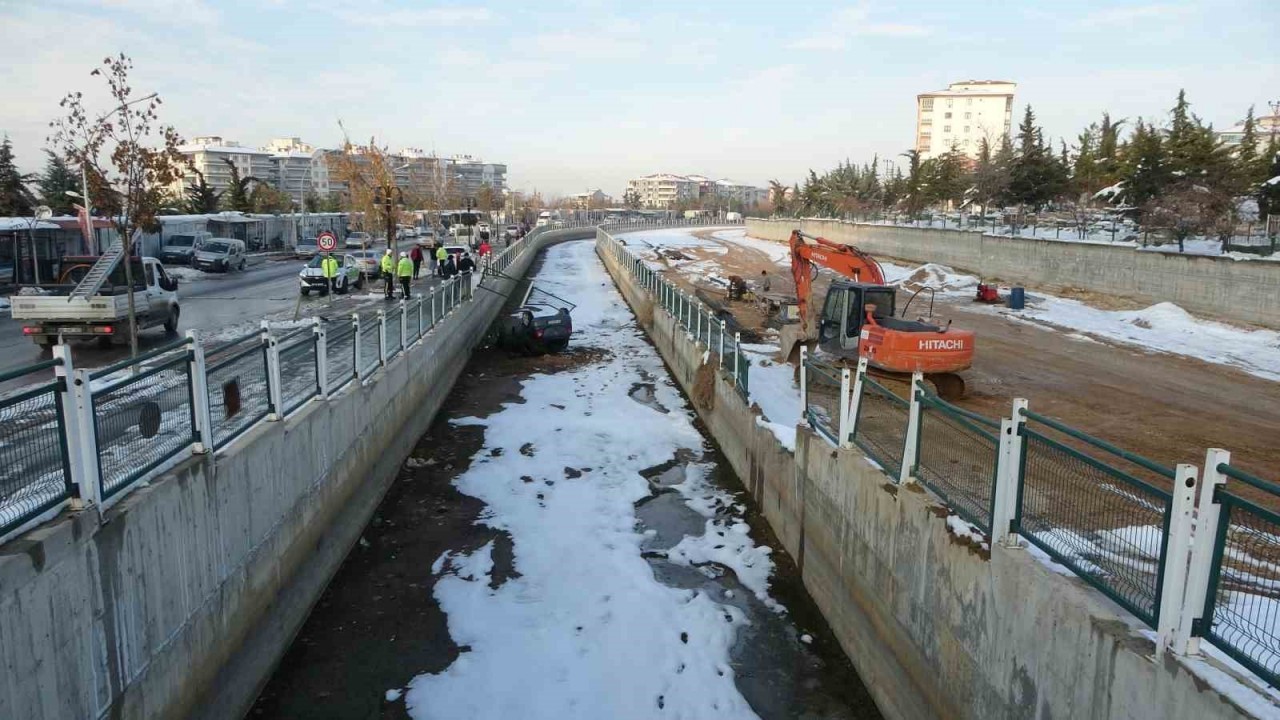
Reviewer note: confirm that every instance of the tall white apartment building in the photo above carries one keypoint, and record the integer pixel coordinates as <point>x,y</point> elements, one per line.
<point>663,190</point>
<point>962,115</point>
<point>209,153</point>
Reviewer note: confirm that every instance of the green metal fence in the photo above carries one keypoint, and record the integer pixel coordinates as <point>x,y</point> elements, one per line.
<point>236,376</point>
<point>957,457</point>
<point>880,426</point>
<point>1078,503</point>
<point>1242,606</point>
<point>822,398</point>
<point>340,349</point>
<point>35,473</point>
<point>299,371</point>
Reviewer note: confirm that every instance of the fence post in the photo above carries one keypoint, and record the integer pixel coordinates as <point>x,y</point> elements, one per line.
<point>422,324</point>
<point>855,402</point>
<point>804,384</point>
<point>1173,586</point>
<point>723,327</point>
<point>77,417</point>
<point>200,395</point>
<point>737,358</point>
<point>843,438</point>
<point>404,321</point>
<point>910,448</point>
<point>358,354</point>
<point>322,357</point>
<point>1203,550</point>
<point>275,389</point>
<point>1008,477</point>
<point>382,337</point>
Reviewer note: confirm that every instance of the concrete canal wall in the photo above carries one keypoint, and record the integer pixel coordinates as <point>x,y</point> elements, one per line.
<point>179,600</point>
<point>936,625</point>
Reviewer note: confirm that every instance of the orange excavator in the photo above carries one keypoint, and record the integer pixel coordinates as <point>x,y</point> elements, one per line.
<point>858,319</point>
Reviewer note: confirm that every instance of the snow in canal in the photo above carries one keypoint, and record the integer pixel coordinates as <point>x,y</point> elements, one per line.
<point>588,625</point>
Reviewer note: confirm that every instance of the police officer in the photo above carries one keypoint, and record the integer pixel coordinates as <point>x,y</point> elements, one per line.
<point>441,256</point>
<point>405,270</point>
<point>329,269</point>
<point>388,267</point>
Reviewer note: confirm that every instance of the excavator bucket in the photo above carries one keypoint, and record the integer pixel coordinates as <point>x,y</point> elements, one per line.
<point>792,336</point>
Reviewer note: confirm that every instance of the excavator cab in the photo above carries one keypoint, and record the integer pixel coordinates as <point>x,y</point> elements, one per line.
<point>845,311</point>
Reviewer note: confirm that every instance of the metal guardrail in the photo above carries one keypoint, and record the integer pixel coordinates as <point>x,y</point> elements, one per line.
<point>299,370</point>
<point>823,402</point>
<point>237,385</point>
<point>35,472</point>
<point>957,456</point>
<point>880,422</point>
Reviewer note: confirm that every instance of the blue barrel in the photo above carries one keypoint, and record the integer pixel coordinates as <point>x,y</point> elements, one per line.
<point>1017,298</point>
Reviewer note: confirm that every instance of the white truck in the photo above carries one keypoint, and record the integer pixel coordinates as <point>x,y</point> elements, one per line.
<point>85,311</point>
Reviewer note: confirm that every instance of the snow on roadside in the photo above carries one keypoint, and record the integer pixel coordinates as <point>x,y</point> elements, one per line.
<point>560,473</point>
<point>774,388</point>
<point>1163,327</point>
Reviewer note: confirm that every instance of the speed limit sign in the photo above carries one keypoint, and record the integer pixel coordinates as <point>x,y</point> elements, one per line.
<point>327,241</point>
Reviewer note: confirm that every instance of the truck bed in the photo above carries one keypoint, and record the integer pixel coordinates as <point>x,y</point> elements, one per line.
<point>60,308</point>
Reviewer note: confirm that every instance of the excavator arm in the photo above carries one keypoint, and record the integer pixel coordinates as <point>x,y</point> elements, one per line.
<point>846,260</point>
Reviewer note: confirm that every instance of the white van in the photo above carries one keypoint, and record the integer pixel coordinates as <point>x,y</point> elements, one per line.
<point>220,255</point>
<point>180,248</point>
<point>544,218</point>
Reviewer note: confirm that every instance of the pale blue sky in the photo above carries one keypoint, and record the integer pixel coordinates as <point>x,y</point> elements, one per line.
<point>585,94</point>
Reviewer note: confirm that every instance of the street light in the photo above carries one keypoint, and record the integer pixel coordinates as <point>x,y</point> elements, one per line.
<point>42,213</point>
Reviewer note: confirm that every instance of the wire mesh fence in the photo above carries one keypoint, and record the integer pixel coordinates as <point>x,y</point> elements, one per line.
<point>1242,606</point>
<point>298,372</point>
<point>370,345</point>
<point>413,319</point>
<point>395,342</point>
<point>340,355</point>
<point>880,427</point>
<point>822,386</point>
<point>1105,523</point>
<point>35,473</point>
<point>957,458</point>
<point>236,375</point>
<point>143,420</point>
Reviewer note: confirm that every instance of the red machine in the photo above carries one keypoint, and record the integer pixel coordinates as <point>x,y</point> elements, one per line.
<point>987,294</point>
<point>858,318</point>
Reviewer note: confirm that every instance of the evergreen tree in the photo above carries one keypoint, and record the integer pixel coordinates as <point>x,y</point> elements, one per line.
<point>56,180</point>
<point>1108,151</point>
<point>201,198</point>
<point>1036,175</point>
<point>237,194</point>
<point>16,199</point>
<point>1145,165</point>
<point>1269,190</point>
<point>1085,169</point>
<point>911,190</point>
<point>1250,162</point>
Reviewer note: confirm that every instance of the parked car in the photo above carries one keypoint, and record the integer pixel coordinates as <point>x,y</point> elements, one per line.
<point>358,240</point>
<point>221,255</point>
<point>180,248</point>
<point>306,247</point>
<point>426,236</point>
<point>512,232</point>
<point>311,277</point>
<point>367,262</point>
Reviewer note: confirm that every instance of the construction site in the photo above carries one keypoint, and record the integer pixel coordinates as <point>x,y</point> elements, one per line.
<point>1164,403</point>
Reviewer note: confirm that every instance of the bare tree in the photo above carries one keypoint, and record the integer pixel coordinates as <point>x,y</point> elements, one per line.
<point>134,172</point>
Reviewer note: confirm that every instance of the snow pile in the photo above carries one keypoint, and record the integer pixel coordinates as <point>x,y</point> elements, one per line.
<point>774,388</point>
<point>729,544</point>
<point>966,530</point>
<point>583,628</point>
<point>32,291</point>
<point>939,277</point>
<point>1164,327</point>
<point>187,274</point>
<point>779,253</point>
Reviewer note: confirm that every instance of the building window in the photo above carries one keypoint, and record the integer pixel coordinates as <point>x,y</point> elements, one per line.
<point>946,128</point>
<point>948,102</point>
<point>926,105</point>
<point>926,122</point>
<point>969,101</point>
<point>968,115</point>
<point>946,116</point>
<point>966,129</point>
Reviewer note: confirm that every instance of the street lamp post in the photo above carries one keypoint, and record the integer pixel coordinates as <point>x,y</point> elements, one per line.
<point>41,213</point>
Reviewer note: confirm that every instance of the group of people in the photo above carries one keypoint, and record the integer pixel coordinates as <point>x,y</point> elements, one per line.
<point>408,267</point>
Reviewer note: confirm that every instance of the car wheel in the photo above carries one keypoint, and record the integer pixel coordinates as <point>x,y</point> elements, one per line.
<point>171,325</point>
<point>306,292</point>
<point>344,288</point>
<point>242,265</point>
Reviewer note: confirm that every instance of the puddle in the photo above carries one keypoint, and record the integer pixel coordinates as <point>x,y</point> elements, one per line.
<point>643,393</point>
<point>670,519</point>
<point>670,472</point>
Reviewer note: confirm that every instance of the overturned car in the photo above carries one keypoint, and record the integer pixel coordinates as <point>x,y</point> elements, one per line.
<point>541,324</point>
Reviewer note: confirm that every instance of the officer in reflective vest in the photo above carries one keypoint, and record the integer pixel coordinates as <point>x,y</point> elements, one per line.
<point>441,256</point>
<point>388,267</point>
<point>329,269</point>
<point>405,270</point>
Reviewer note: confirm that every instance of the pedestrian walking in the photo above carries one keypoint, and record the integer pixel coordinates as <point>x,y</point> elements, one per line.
<point>405,269</point>
<point>449,267</point>
<point>466,264</point>
<point>329,269</point>
<point>442,256</point>
<point>416,256</point>
<point>388,266</point>
<point>485,248</point>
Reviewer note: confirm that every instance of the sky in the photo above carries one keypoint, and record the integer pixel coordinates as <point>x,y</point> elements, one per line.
<point>577,95</point>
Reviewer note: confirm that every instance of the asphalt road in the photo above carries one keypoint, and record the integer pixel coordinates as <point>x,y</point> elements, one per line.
<point>216,305</point>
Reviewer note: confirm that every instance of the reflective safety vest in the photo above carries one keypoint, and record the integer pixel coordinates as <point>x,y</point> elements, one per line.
<point>442,254</point>
<point>405,268</point>
<point>387,264</point>
<point>329,267</point>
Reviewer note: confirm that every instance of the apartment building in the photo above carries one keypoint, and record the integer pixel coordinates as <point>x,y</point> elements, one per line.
<point>664,191</point>
<point>209,155</point>
<point>299,169</point>
<point>962,116</point>
<point>471,173</point>
<point>590,200</point>
<point>1264,127</point>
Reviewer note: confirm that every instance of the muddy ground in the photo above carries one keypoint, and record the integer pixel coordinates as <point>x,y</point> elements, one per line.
<point>1165,407</point>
